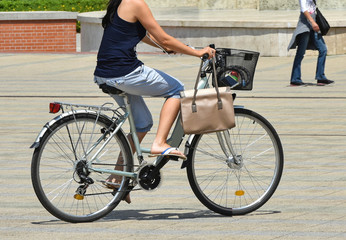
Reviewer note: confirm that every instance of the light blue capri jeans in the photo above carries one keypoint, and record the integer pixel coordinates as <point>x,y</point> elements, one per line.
<point>143,81</point>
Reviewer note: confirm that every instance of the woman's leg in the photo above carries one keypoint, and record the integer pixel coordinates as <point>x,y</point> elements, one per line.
<point>322,55</point>
<point>302,43</point>
<point>119,165</point>
<point>168,115</point>
<point>146,81</point>
<point>152,82</point>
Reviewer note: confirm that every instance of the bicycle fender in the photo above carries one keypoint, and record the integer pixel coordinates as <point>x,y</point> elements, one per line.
<point>47,126</point>
<point>238,106</point>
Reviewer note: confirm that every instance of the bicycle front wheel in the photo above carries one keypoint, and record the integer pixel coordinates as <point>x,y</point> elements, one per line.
<point>61,168</point>
<point>236,185</point>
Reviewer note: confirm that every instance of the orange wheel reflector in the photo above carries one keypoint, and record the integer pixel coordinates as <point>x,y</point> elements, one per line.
<point>78,197</point>
<point>239,193</point>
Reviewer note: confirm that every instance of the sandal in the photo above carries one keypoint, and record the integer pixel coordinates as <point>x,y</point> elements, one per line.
<point>167,153</point>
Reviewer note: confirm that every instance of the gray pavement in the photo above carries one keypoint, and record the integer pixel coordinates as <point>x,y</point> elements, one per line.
<point>310,202</point>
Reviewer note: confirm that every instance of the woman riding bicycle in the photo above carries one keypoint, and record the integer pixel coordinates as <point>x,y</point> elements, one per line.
<point>126,23</point>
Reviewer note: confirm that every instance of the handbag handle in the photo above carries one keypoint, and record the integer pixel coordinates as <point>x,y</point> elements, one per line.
<point>315,3</point>
<point>219,101</point>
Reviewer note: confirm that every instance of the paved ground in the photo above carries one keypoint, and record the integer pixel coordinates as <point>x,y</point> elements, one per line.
<point>310,202</point>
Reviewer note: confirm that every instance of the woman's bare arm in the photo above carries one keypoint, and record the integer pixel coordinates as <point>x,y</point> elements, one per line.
<point>314,25</point>
<point>143,14</point>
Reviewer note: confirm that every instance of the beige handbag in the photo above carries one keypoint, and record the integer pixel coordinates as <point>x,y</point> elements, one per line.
<point>207,110</point>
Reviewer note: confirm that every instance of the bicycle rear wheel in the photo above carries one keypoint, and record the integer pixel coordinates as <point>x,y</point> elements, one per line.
<point>60,170</point>
<point>236,186</point>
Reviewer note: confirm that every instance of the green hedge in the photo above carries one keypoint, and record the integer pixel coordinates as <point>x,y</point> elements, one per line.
<point>53,5</point>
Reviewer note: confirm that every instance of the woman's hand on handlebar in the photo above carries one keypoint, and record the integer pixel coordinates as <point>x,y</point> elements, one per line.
<point>207,51</point>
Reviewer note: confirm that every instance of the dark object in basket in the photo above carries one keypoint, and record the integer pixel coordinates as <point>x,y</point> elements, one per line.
<point>236,68</point>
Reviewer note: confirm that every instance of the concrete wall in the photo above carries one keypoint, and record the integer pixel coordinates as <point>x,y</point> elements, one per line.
<point>244,4</point>
<point>291,5</point>
<point>205,4</point>
<point>267,32</point>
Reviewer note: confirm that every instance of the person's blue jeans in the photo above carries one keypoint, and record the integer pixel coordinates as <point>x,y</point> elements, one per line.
<point>302,42</point>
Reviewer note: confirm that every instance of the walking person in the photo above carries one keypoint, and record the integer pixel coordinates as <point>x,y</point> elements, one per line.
<point>307,36</point>
<point>126,23</point>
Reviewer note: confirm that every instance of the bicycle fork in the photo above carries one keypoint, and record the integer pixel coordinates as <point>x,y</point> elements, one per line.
<point>233,161</point>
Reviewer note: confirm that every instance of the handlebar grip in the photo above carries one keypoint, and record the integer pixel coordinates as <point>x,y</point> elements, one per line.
<point>205,56</point>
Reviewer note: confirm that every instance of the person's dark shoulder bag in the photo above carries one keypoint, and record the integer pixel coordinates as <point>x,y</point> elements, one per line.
<point>322,21</point>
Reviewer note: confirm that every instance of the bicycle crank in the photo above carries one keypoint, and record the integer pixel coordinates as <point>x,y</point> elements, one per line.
<point>145,180</point>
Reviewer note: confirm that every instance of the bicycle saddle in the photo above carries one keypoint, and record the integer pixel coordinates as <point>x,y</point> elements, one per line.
<point>109,89</point>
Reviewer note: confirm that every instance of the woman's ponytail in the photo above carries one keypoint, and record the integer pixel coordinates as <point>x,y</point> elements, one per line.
<point>112,7</point>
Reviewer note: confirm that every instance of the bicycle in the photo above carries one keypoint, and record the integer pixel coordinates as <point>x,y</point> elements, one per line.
<point>232,172</point>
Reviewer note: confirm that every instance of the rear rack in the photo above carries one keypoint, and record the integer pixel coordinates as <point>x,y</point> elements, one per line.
<point>108,107</point>
<point>103,107</point>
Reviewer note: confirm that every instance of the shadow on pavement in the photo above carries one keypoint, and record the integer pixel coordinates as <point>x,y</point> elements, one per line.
<point>158,214</point>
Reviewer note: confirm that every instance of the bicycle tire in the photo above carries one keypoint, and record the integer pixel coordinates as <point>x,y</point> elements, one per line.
<point>57,162</point>
<point>245,77</point>
<point>236,189</point>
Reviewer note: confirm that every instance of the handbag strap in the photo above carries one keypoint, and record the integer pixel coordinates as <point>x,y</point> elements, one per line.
<point>315,3</point>
<point>219,101</point>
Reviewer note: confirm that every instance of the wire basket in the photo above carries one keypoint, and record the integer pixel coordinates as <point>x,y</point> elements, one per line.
<point>236,68</point>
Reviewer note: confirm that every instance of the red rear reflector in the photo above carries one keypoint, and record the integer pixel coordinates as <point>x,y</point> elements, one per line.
<point>54,107</point>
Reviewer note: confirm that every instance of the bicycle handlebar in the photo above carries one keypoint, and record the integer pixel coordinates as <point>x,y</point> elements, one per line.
<point>205,56</point>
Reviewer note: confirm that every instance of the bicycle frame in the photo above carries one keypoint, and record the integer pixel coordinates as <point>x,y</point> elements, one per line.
<point>175,139</point>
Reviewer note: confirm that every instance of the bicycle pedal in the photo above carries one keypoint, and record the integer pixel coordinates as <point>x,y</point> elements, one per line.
<point>174,158</point>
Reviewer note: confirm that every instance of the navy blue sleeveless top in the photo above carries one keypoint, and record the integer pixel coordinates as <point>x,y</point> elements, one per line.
<point>117,54</point>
